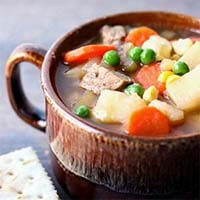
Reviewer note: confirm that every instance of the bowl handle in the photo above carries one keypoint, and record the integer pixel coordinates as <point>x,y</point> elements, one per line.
<point>25,110</point>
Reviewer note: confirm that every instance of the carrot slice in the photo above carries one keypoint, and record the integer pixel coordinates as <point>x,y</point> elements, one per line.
<point>148,122</point>
<point>160,86</point>
<point>139,35</point>
<point>148,76</point>
<point>84,53</point>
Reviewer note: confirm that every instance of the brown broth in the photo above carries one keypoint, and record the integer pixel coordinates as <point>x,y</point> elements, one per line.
<point>70,93</point>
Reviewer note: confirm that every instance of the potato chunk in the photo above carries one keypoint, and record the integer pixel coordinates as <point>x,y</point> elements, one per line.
<point>185,92</point>
<point>88,98</point>
<point>182,45</point>
<point>191,56</point>
<point>175,115</point>
<point>76,72</point>
<point>115,107</point>
<point>160,45</point>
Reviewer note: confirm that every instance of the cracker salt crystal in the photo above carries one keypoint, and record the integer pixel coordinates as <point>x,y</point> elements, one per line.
<point>22,177</point>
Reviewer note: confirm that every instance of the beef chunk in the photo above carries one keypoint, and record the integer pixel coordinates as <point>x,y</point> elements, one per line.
<point>99,78</point>
<point>112,35</point>
<point>91,64</point>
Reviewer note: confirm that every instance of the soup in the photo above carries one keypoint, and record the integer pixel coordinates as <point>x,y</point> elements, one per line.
<point>138,81</point>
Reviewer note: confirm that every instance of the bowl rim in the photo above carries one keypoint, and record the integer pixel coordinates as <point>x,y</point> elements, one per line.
<point>56,102</point>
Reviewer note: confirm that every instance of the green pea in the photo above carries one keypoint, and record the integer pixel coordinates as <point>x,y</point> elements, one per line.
<point>111,58</point>
<point>134,54</point>
<point>134,88</point>
<point>148,56</point>
<point>180,68</point>
<point>82,111</point>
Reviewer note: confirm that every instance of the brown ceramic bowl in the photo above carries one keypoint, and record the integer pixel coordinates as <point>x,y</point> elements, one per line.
<point>93,162</point>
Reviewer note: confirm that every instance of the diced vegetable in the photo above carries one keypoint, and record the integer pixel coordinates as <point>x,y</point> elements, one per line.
<point>134,88</point>
<point>148,56</point>
<point>182,45</point>
<point>111,58</point>
<point>185,92</point>
<point>139,35</point>
<point>148,76</point>
<point>88,99</point>
<point>85,53</point>
<point>150,94</point>
<point>164,76</point>
<point>166,64</point>
<point>191,57</point>
<point>176,116</point>
<point>160,86</point>
<point>115,107</point>
<point>134,54</point>
<point>161,46</point>
<point>82,111</point>
<point>148,122</point>
<point>171,79</point>
<point>76,72</point>
<point>130,67</point>
<point>180,68</point>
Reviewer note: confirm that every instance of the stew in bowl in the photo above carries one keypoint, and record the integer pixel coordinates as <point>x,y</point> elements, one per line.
<point>122,105</point>
<point>139,81</point>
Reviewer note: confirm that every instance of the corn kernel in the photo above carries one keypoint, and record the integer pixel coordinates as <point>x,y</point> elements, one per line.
<point>150,94</point>
<point>167,64</point>
<point>164,76</point>
<point>171,79</point>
